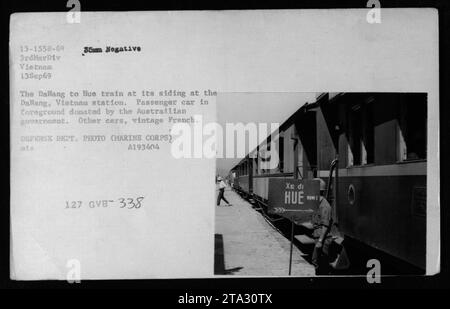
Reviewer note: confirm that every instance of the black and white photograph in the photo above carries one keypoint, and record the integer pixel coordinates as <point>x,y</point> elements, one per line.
<point>367,152</point>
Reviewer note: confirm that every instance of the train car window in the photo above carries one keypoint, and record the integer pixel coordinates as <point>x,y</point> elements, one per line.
<point>412,133</point>
<point>281,153</point>
<point>257,161</point>
<point>261,156</point>
<point>361,135</point>
<point>355,135</point>
<point>307,132</point>
<point>267,152</point>
<point>367,144</point>
<point>300,168</point>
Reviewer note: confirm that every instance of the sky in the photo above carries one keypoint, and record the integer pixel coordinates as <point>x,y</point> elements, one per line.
<point>267,107</point>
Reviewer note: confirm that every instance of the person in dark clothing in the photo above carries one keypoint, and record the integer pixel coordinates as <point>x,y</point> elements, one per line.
<point>322,222</point>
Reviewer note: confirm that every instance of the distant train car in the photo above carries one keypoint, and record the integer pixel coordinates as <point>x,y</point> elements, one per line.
<point>242,177</point>
<point>380,142</point>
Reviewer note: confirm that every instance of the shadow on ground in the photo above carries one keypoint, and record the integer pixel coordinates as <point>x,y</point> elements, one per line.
<point>219,260</point>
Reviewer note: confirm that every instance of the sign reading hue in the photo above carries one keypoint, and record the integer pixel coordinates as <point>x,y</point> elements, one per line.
<point>294,199</point>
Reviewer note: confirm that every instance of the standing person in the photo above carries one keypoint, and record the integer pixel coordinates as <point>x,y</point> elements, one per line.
<point>222,186</point>
<point>322,222</point>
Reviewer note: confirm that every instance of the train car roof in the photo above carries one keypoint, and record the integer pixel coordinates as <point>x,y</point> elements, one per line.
<point>287,123</point>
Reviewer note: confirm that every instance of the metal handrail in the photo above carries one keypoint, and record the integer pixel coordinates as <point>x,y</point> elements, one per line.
<point>333,165</point>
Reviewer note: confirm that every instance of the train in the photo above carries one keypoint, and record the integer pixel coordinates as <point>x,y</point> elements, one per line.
<point>371,149</point>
